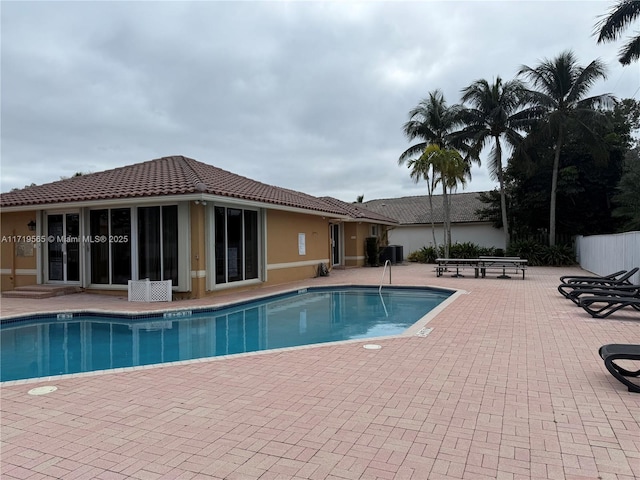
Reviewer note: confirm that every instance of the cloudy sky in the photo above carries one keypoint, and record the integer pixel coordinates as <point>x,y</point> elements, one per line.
<point>310,96</point>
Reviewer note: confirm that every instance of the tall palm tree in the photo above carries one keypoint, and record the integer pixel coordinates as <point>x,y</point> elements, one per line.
<point>611,27</point>
<point>558,99</point>
<point>454,170</point>
<point>495,114</point>
<point>432,121</point>
<point>425,168</point>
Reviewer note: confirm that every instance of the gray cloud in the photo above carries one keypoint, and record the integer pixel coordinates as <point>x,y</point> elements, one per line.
<point>309,96</point>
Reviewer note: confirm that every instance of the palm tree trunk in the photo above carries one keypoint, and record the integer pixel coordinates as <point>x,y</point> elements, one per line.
<point>430,188</point>
<point>554,187</point>
<point>445,220</point>
<point>503,195</point>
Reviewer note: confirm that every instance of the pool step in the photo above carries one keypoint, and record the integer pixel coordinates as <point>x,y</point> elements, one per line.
<point>41,291</point>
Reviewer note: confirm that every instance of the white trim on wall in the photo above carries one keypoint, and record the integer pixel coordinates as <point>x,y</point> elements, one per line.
<point>19,271</point>
<point>306,263</point>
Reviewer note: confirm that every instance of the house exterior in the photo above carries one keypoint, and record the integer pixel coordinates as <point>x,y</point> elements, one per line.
<point>174,218</point>
<point>414,221</point>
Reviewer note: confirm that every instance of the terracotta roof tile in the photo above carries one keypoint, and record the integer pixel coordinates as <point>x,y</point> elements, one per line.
<point>415,210</point>
<point>174,175</point>
<point>359,211</point>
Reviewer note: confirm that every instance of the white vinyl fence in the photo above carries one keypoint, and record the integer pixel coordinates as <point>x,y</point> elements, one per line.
<point>603,254</point>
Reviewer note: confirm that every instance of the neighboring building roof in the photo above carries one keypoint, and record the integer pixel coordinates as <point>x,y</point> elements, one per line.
<point>415,210</point>
<point>358,211</point>
<point>175,175</point>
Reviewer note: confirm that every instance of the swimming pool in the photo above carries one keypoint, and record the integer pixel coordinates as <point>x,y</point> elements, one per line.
<point>71,343</point>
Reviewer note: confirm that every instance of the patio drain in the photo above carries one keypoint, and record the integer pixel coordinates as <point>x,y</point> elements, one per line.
<point>42,390</point>
<point>372,346</point>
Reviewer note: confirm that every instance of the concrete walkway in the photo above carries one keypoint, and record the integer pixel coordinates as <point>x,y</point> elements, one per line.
<point>508,385</point>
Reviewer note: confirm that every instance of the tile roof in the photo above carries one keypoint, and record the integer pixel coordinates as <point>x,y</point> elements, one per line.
<point>358,211</point>
<point>173,175</point>
<point>415,210</point>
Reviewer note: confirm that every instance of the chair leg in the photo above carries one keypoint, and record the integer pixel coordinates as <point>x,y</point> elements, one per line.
<point>620,374</point>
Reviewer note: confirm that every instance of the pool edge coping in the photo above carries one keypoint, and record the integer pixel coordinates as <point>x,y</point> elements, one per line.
<point>411,331</point>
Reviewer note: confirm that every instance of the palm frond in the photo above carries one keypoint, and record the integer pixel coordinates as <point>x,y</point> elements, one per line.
<point>619,17</point>
<point>630,51</point>
<point>585,79</point>
<point>412,151</point>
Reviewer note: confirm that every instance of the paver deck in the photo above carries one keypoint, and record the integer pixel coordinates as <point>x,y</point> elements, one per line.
<point>508,385</point>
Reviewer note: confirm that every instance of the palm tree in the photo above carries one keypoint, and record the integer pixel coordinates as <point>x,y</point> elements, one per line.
<point>495,114</point>
<point>558,99</point>
<point>424,168</point>
<point>611,27</point>
<point>454,170</point>
<point>432,121</point>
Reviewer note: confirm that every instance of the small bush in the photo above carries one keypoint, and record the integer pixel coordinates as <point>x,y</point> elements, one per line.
<point>424,255</point>
<point>557,255</point>
<point>527,249</point>
<point>458,250</point>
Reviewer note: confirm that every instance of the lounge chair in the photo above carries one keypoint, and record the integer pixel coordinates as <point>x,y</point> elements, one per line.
<point>601,306</point>
<point>611,276</point>
<point>623,279</point>
<point>612,352</point>
<point>574,292</point>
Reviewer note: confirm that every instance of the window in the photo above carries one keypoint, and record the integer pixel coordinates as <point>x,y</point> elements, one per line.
<point>374,230</point>
<point>235,244</point>
<point>158,243</point>
<point>110,260</point>
<point>143,239</point>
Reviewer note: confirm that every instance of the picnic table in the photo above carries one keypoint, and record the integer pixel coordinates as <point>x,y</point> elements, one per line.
<point>481,265</point>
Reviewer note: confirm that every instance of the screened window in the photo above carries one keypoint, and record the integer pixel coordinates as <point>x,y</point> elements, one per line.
<point>236,244</point>
<point>110,260</point>
<point>158,243</point>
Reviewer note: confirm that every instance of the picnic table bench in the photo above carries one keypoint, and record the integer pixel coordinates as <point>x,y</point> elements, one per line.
<point>481,265</point>
<point>503,264</point>
<point>444,264</point>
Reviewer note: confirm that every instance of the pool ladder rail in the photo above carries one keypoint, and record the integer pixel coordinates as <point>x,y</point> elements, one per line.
<point>388,262</point>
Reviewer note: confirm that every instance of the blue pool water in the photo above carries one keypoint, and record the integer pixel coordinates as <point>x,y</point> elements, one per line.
<point>67,343</point>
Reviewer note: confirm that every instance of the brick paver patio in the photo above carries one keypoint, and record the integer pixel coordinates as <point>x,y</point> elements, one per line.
<point>508,385</point>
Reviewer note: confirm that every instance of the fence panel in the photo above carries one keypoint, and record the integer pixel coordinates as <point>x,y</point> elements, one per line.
<point>603,254</point>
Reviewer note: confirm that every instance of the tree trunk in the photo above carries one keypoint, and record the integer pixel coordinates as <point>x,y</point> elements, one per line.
<point>554,188</point>
<point>445,208</point>
<point>503,195</point>
<point>430,188</point>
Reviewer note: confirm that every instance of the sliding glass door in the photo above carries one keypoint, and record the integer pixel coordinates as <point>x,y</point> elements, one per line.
<point>158,243</point>
<point>236,244</point>
<point>63,247</point>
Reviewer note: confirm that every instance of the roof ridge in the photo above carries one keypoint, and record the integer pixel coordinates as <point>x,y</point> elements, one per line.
<point>185,164</point>
<point>422,196</point>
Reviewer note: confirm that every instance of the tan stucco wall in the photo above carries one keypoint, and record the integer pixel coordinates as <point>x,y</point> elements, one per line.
<point>354,243</point>
<point>14,224</point>
<point>282,245</point>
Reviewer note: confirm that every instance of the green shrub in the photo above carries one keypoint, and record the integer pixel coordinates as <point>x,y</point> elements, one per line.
<point>527,249</point>
<point>458,250</point>
<point>463,250</point>
<point>424,255</point>
<point>557,255</point>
